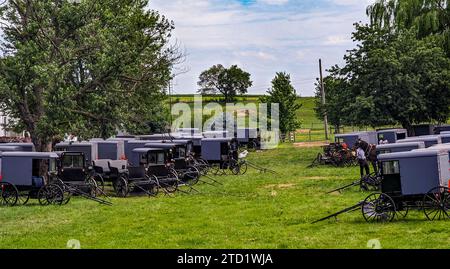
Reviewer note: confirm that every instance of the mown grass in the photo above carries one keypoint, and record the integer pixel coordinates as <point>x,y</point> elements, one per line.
<point>251,211</point>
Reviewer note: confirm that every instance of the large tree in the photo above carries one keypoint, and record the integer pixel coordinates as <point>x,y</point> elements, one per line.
<point>284,94</point>
<point>227,81</point>
<point>396,78</point>
<point>429,17</point>
<point>88,67</point>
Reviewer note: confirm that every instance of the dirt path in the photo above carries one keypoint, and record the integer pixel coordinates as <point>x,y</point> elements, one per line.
<point>310,144</point>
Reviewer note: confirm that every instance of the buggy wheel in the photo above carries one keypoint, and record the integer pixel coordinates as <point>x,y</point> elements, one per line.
<point>51,194</point>
<point>65,188</point>
<point>234,167</point>
<point>378,207</point>
<point>436,203</point>
<point>369,183</point>
<point>252,146</point>
<point>100,185</point>
<point>9,194</point>
<point>121,186</point>
<point>215,169</point>
<point>243,167</point>
<point>191,176</point>
<point>171,184</point>
<point>403,211</point>
<point>93,187</point>
<point>154,186</point>
<point>24,197</point>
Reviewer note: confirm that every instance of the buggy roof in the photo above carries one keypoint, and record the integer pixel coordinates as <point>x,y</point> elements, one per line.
<point>219,139</point>
<point>9,148</point>
<point>412,154</point>
<point>75,144</point>
<point>420,138</point>
<point>162,145</point>
<point>145,150</point>
<point>349,134</point>
<point>102,141</point>
<point>392,130</point>
<point>419,144</point>
<point>41,155</point>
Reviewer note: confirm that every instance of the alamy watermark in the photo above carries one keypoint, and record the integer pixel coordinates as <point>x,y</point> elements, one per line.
<point>230,120</point>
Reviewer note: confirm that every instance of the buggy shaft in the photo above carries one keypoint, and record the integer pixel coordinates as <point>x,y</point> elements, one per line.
<point>348,209</point>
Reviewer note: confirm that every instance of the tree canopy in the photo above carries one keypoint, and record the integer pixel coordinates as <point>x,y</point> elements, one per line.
<point>429,17</point>
<point>390,78</point>
<point>88,67</point>
<point>226,81</point>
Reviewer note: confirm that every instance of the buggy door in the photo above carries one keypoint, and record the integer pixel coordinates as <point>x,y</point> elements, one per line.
<point>391,183</point>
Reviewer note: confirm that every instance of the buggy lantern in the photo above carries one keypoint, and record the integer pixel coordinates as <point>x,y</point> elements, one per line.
<point>399,147</point>
<point>429,140</point>
<point>89,149</point>
<point>392,135</point>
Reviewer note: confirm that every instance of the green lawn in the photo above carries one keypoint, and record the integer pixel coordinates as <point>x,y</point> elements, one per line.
<point>251,211</point>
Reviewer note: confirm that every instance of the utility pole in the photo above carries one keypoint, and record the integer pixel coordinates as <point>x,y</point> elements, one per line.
<point>322,92</point>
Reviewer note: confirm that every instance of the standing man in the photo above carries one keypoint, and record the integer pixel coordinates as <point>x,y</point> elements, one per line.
<point>362,160</point>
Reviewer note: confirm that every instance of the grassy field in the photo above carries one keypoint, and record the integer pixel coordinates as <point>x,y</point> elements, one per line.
<point>251,211</point>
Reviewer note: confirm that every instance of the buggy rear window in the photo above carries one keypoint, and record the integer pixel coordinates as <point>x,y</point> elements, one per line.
<point>391,168</point>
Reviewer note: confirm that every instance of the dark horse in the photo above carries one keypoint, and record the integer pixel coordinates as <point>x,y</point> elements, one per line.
<point>371,153</point>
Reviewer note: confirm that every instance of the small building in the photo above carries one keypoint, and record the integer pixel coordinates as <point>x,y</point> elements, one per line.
<point>423,129</point>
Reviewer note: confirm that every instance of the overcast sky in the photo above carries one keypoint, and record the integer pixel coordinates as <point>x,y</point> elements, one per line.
<point>262,37</point>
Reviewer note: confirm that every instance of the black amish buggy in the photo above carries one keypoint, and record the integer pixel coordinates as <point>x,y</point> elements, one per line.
<point>179,156</point>
<point>222,154</point>
<point>89,149</point>
<point>155,162</point>
<point>249,137</point>
<point>391,135</point>
<point>76,177</point>
<point>130,145</point>
<point>429,140</point>
<point>416,179</point>
<point>26,175</point>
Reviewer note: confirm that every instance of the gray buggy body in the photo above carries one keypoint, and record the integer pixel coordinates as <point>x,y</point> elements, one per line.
<point>392,135</point>
<point>25,147</point>
<point>415,172</point>
<point>429,140</point>
<point>214,148</point>
<point>399,147</point>
<point>110,149</point>
<point>244,135</point>
<point>21,168</point>
<point>351,138</point>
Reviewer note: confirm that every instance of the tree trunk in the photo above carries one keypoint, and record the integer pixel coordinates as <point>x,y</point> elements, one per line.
<point>42,145</point>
